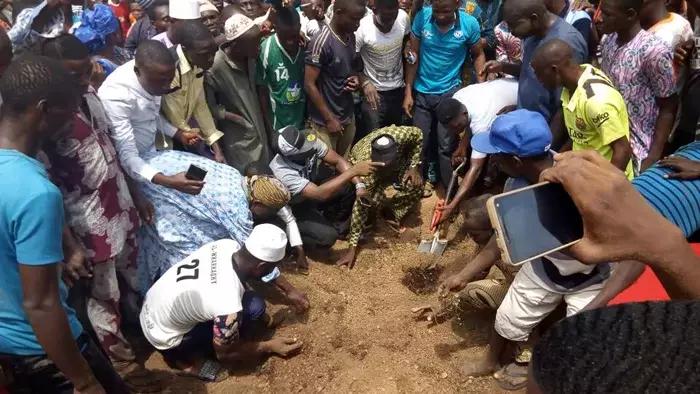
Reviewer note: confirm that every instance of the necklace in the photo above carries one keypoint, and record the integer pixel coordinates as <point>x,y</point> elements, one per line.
<point>336,35</point>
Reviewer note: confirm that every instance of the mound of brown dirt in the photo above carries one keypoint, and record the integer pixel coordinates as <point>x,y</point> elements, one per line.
<point>360,335</point>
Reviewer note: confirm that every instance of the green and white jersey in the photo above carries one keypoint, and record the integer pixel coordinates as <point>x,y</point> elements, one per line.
<point>283,75</point>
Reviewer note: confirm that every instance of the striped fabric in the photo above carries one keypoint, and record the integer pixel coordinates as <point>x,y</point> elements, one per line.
<point>145,4</point>
<point>678,201</point>
<point>317,46</point>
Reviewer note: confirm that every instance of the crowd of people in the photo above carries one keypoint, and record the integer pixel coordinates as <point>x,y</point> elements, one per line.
<point>160,159</point>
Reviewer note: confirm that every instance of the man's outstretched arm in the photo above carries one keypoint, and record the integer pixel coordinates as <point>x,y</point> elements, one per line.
<point>618,224</point>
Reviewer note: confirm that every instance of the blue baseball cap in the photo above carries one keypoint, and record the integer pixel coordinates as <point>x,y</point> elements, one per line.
<point>520,133</point>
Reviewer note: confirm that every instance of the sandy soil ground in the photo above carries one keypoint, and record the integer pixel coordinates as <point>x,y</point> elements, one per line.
<point>360,335</point>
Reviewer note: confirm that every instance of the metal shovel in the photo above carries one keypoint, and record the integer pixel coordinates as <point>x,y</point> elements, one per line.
<point>438,243</point>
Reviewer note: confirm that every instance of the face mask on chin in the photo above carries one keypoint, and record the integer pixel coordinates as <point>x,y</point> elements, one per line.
<point>301,158</point>
<point>274,274</point>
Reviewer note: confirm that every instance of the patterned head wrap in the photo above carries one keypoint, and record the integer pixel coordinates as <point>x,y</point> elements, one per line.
<point>268,191</point>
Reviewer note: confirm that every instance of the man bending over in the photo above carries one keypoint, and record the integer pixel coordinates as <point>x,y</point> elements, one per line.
<point>200,307</point>
<point>399,151</point>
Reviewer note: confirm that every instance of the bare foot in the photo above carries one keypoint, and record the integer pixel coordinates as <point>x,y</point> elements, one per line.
<point>395,226</point>
<point>434,314</point>
<point>480,367</point>
<point>140,379</point>
<point>512,377</point>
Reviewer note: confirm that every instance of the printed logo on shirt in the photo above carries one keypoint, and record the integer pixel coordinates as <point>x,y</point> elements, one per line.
<point>470,8</point>
<point>601,118</point>
<point>311,137</point>
<point>580,123</point>
<point>147,317</point>
<point>576,135</point>
<point>458,34</point>
<point>212,273</point>
<point>293,92</point>
<point>427,34</point>
<point>695,57</point>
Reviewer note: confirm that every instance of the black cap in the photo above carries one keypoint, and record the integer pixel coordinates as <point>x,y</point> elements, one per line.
<point>384,149</point>
<point>292,136</point>
<point>296,145</point>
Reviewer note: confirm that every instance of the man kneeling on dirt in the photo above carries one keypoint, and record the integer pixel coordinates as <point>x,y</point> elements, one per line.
<point>476,290</point>
<point>399,149</point>
<point>519,142</point>
<point>321,208</point>
<point>201,308</point>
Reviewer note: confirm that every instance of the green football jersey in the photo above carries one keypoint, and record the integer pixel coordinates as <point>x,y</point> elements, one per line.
<point>283,75</point>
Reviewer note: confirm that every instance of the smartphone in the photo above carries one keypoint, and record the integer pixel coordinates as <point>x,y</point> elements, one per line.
<point>534,221</point>
<point>195,173</point>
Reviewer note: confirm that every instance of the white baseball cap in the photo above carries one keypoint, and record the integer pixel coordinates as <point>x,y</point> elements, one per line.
<point>267,242</point>
<point>184,9</point>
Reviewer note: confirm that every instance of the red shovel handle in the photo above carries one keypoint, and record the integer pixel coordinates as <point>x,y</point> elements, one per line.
<point>437,214</point>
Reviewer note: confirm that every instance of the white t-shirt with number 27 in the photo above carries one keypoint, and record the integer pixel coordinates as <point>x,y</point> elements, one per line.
<point>195,290</point>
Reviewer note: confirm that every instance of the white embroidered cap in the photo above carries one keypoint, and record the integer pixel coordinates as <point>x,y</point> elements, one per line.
<point>267,242</point>
<point>236,26</point>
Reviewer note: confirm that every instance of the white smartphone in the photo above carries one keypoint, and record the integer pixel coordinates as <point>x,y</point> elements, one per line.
<point>534,221</point>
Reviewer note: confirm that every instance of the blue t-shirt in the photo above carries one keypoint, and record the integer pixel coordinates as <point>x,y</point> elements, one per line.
<point>581,21</point>
<point>442,54</point>
<point>531,94</point>
<point>31,224</point>
<point>676,200</point>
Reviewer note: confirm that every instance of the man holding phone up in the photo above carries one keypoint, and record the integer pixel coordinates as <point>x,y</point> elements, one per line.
<point>519,142</point>
<point>595,114</point>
